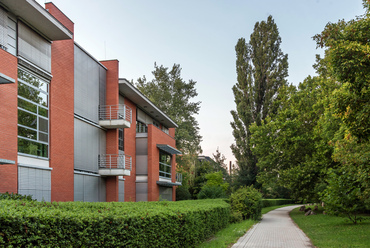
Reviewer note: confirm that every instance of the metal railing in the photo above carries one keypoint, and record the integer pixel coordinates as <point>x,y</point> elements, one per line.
<point>115,112</point>
<point>179,177</point>
<point>115,161</point>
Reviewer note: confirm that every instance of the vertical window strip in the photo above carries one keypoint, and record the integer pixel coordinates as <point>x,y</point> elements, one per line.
<point>36,142</point>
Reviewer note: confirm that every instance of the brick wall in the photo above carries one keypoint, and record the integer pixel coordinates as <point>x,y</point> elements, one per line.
<point>130,149</point>
<point>62,113</point>
<point>112,98</point>
<point>156,136</point>
<point>8,123</point>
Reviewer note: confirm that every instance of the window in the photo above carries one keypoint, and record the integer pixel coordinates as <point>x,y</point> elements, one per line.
<point>155,123</point>
<point>165,129</point>
<point>121,144</point>
<point>141,127</point>
<point>164,164</point>
<point>33,114</point>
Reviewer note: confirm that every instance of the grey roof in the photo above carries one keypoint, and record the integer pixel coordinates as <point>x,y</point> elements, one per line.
<point>131,92</point>
<point>39,18</point>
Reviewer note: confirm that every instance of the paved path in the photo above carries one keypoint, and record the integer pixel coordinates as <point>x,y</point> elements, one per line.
<point>276,229</point>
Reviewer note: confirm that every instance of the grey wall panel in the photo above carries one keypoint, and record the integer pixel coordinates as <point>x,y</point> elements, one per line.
<point>121,190</point>
<point>141,146</point>
<point>141,164</point>
<point>87,146</point>
<point>78,187</point>
<point>89,188</point>
<point>102,85</point>
<point>165,193</point>
<point>141,192</point>
<point>102,190</point>
<point>89,87</point>
<point>33,47</point>
<point>102,142</point>
<point>35,182</point>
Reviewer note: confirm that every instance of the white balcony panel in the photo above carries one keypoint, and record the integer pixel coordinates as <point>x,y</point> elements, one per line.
<point>113,124</point>
<point>114,172</point>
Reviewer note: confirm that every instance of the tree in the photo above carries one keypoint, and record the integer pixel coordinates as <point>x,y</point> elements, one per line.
<point>173,96</point>
<point>261,69</point>
<point>347,57</point>
<point>292,150</point>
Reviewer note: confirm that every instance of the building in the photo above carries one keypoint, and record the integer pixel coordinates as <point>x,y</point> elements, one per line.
<point>70,128</point>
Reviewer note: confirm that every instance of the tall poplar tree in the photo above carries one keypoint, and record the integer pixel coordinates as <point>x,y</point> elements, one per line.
<point>261,69</point>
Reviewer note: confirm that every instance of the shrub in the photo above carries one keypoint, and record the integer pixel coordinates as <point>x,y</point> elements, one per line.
<point>110,224</point>
<point>182,193</point>
<point>212,192</point>
<point>275,202</point>
<point>15,196</point>
<point>247,201</point>
<point>343,196</point>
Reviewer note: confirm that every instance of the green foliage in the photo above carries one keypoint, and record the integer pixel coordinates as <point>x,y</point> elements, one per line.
<point>261,69</point>
<point>216,179</point>
<point>78,224</point>
<point>173,96</point>
<point>292,150</point>
<point>275,202</point>
<point>182,193</point>
<point>15,196</point>
<point>344,195</point>
<point>247,201</point>
<point>211,192</point>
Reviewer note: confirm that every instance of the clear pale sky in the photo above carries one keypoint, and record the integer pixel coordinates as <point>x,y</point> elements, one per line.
<point>200,35</point>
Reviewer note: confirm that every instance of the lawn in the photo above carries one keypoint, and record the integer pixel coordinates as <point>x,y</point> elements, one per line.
<point>230,235</point>
<point>332,231</point>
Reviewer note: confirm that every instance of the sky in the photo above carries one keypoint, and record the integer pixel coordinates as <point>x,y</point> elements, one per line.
<point>201,35</point>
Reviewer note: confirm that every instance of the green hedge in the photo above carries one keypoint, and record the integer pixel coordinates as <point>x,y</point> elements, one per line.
<point>275,202</point>
<point>142,224</point>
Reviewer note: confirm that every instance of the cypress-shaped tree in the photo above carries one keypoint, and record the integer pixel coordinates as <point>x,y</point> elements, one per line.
<point>261,69</point>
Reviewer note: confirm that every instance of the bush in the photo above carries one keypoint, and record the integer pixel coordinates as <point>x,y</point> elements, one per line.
<point>182,193</point>
<point>212,192</point>
<point>15,196</point>
<point>247,201</point>
<point>343,196</point>
<point>110,224</point>
<point>275,202</point>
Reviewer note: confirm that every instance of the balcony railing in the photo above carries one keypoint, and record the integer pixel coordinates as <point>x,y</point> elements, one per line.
<point>179,177</point>
<point>115,116</point>
<point>115,164</point>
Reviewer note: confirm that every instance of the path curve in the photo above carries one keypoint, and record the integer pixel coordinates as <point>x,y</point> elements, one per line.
<point>276,229</point>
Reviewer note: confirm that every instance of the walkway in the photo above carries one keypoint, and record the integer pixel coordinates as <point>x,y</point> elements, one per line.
<point>276,229</point>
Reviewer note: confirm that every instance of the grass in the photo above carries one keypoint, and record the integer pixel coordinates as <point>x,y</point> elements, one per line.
<point>229,235</point>
<point>332,231</point>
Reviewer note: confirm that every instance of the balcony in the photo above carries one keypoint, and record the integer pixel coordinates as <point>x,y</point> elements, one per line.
<point>115,116</point>
<point>115,165</point>
<point>179,178</point>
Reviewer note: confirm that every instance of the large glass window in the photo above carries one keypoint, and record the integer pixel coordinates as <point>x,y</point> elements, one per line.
<point>164,164</point>
<point>33,114</point>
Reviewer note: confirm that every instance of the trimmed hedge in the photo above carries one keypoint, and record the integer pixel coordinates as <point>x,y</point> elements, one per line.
<point>139,224</point>
<point>275,202</point>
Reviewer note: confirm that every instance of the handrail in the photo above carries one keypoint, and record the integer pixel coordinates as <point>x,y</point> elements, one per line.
<point>115,161</point>
<point>115,112</point>
<point>179,177</point>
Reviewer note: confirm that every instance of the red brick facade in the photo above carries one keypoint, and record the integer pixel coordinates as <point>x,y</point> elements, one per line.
<point>62,126</point>
<point>62,113</point>
<point>8,123</point>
